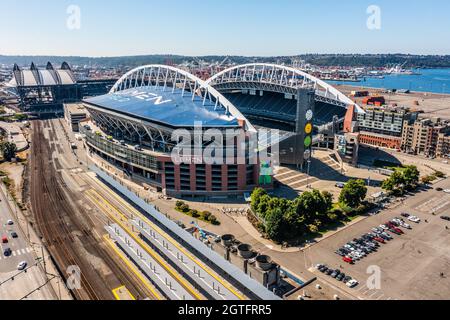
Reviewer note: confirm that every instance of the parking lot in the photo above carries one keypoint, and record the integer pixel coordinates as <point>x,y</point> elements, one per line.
<point>415,265</point>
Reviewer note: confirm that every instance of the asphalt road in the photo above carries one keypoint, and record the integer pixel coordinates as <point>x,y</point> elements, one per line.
<point>24,283</point>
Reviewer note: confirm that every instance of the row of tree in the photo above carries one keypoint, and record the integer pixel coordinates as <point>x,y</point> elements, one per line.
<point>282,219</point>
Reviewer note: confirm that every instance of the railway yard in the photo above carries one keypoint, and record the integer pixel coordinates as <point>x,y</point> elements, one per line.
<point>69,230</point>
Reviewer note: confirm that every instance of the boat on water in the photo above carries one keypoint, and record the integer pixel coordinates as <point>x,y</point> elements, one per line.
<point>400,71</point>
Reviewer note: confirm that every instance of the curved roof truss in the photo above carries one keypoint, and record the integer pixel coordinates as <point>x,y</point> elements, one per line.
<point>276,76</point>
<point>171,78</point>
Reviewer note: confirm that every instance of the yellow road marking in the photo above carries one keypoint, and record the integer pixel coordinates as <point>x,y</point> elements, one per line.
<point>144,245</point>
<point>133,269</point>
<point>172,241</point>
<point>115,292</point>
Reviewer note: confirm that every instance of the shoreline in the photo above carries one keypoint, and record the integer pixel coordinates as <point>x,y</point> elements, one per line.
<point>412,92</point>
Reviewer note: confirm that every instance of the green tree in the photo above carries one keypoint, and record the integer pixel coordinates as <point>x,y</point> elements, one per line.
<point>411,176</point>
<point>9,150</point>
<point>263,206</point>
<point>395,183</point>
<point>353,193</point>
<point>256,197</point>
<point>275,225</point>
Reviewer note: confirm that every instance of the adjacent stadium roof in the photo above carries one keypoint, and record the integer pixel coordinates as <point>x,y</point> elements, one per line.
<point>172,107</point>
<point>42,77</point>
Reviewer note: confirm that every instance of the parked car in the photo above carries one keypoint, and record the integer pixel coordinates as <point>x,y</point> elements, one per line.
<point>447,190</point>
<point>352,283</point>
<point>341,277</point>
<point>405,215</point>
<point>439,189</point>
<point>445,218</point>
<point>347,279</point>
<point>394,231</point>
<point>14,235</point>
<point>414,219</point>
<point>348,260</point>
<point>10,222</point>
<point>380,240</point>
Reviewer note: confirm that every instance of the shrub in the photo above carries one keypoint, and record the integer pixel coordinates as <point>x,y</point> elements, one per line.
<point>206,215</point>
<point>213,220</point>
<point>194,214</point>
<point>439,174</point>
<point>184,208</point>
<point>179,203</point>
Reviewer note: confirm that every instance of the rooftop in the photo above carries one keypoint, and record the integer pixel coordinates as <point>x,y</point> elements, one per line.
<point>166,106</point>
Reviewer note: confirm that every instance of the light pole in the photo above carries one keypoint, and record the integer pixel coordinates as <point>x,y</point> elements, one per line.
<point>307,173</point>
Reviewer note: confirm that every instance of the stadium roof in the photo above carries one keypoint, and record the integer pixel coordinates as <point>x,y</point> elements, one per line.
<point>49,76</point>
<point>166,106</point>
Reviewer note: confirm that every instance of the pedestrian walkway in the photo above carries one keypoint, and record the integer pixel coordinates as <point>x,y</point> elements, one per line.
<point>16,253</point>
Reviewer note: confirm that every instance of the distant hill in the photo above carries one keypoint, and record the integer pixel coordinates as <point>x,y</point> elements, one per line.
<point>356,60</point>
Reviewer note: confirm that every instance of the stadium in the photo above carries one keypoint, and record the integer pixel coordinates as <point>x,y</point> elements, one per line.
<point>133,125</point>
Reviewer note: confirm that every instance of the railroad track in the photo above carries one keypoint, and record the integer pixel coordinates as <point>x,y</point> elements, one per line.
<point>58,221</point>
<point>49,206</point>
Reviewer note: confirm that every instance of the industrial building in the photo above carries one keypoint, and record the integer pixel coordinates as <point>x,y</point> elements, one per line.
<point>133,125</point>
<point>75,113</point>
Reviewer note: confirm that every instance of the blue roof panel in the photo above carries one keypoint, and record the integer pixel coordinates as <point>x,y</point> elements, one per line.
<point>164,106</point>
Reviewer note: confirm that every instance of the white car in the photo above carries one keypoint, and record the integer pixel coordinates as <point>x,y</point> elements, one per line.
<point>384,227</point>
<point>352,283</point>
<point>414,219</point>
<point>405,225</point>
<point>447,190</point>
<point>21,266</point>
<point>10,222</point>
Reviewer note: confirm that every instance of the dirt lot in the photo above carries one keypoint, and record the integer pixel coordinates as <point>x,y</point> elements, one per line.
<point>410,265</point>
<point>434,105</point>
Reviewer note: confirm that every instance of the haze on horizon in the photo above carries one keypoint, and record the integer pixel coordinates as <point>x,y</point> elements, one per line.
<point>232,27</point>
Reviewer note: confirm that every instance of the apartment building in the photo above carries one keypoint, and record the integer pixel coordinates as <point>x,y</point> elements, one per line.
<point>422,137</point>
<point>383,126</point>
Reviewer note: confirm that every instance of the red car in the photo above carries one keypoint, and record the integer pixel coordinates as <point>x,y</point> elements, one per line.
<point>4,239</point>
<point>380,240</point>
<point>348,260</point>
<point>398,230</point>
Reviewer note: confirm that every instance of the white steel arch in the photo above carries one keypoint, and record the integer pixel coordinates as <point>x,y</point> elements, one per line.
<point>172,78</point>
<point>279,75</point>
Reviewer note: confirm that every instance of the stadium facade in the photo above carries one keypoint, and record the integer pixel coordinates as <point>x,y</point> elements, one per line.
<point>137,126</point>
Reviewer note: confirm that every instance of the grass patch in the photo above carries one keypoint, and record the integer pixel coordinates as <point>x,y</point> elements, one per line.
<point>388,165</point>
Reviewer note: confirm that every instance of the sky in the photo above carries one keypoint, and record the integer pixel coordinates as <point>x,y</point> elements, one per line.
<point>223,27</point>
